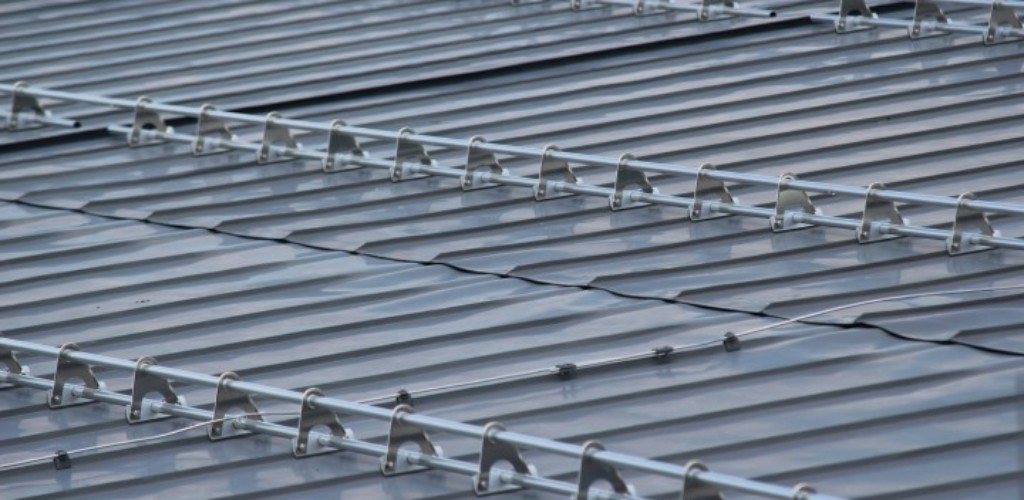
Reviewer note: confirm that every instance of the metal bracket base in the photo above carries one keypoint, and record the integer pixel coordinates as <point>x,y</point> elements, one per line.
<point>311,417</point>
<point>697,490</point>
<point>275,136</point>
<point>340,142</point>
<point>68,369</point>
<point>477,160</point>
<point>396,461</point>
<point>707,188</point>
<point>22,104</point>
<point>925,10</point>
<point>492,452</point>
<point>144,384</point>
<point>790,201</point>
<point>227,399</point>
<point>707,8</point>
<point>968,221</point>
<point>876,213</point>
<point>852,8</point>
<point>553,172</point>
<point>10,363</point>
<point>146,120</point>
<point>592,471</point>
<point>406,151</point>
<point>1001,15</point>
<point>626,176</point>
<point>210,127</point>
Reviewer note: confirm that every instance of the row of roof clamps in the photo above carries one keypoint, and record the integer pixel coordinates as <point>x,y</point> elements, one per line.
<point>794,207</point>
<point>705,9</point>
<point>1004,25</point>
<point>235,414</point>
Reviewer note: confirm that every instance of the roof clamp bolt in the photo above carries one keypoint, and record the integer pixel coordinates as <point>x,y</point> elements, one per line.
<point>731,342</point>
<point>567,371</point>
<point>61,460</point>
<point>662,353</point>
<point>404,398</point>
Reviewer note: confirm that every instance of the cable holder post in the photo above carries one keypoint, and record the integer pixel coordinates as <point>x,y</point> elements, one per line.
<point>708,189</point>
<point>554,172</point>
<point>966,223</point>
<point>9,363</point>
<point>229,399</point>
<point>877,213</point>
<point>144,384</point>
<point>146,120</point>
<point>407,151</point>
<point>70,370</point>
<point>23,104</point>
<point>1000,16</point>
<point>854,9</point>
<point>396,460</point>
<point>925,12</point>
<point>711,8</point>
<point>209,131</point>
<point>341,142</point>
<point>492,452</point>
<point>479,162</point>
<point>695,489</point>
<point>789,202</point>
<point>275,138</point>
<point>593,470</point>
<point>312,417</point>
<point>628,177</point>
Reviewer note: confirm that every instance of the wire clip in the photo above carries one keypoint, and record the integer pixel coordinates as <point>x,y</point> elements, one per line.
<point>731,342</point>
<point>61,460</point>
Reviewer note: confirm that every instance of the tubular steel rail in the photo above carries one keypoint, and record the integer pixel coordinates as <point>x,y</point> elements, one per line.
<point>881,219</point>
<point>318,412</point>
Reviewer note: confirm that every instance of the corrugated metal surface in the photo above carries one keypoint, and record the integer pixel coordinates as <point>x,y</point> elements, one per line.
<point>854,411</point>
<point>251,53</point>
<point>934,115</point>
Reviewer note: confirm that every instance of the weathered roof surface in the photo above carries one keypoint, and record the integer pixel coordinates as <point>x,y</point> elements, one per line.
<point>931,116</point>
<point>855,412</point>
<point>296,278</point>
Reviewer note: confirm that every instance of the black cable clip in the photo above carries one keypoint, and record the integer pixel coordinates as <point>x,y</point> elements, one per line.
<point>661,353</point>
<point>61,460</point>
<point>567,371</point>
<point>731,342</point>
<point>404,398</point>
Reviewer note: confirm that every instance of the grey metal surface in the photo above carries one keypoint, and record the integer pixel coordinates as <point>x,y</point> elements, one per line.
<point>257,53</point>
<point>932,115</point>
<point>853,411</point>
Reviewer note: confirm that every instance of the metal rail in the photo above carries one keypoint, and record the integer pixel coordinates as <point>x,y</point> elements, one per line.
<point>971,228</point>
<point>705,9</point>
<point>316,409</point>
<point>1004,25</point>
